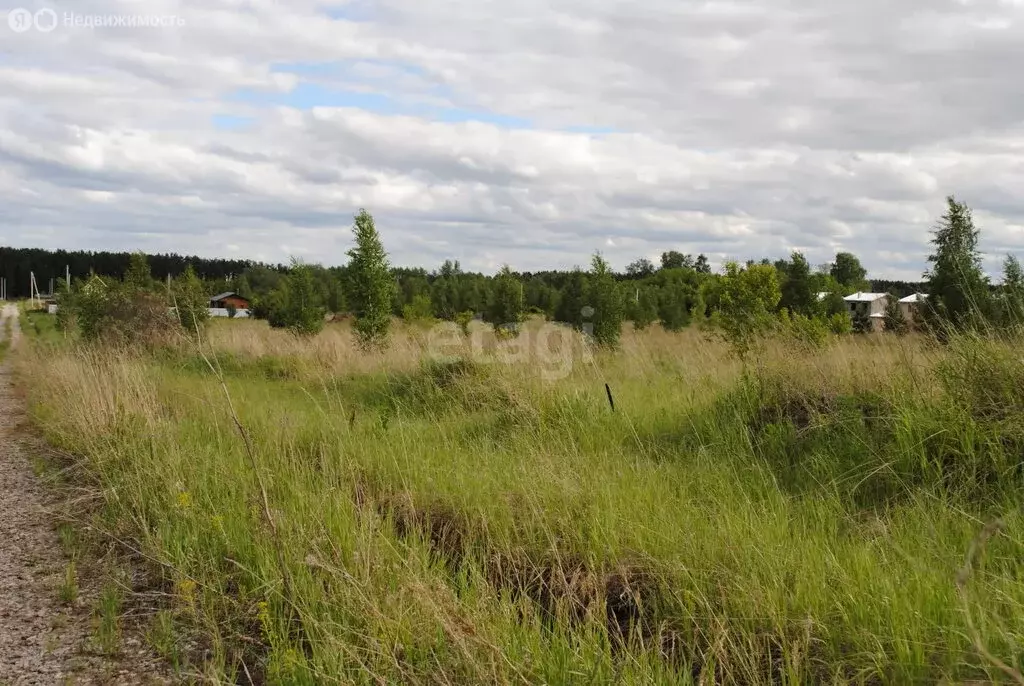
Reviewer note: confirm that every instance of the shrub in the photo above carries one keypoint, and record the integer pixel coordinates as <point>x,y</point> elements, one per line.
<point>840,323</point>
<point>463,319</point>
<point>419,310</point>
<point>812,331</point>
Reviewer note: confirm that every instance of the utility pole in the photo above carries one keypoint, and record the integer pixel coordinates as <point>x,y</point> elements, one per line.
<point>67,272</point>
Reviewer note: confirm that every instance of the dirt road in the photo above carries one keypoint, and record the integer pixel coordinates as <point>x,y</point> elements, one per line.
<point>42,639</point>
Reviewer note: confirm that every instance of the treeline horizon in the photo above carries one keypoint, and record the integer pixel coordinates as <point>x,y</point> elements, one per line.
<point>17,265</point>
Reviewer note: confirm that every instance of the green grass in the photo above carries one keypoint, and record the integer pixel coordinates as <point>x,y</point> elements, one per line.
<point>5,339</point>
<point>470,523</point>
<point>41,326</point>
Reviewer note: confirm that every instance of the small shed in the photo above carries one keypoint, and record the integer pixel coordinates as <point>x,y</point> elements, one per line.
<point>228,300</point>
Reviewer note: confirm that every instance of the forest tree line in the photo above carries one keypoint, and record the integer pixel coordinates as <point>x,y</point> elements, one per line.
<point>678,291</point>
<point>668,288</point>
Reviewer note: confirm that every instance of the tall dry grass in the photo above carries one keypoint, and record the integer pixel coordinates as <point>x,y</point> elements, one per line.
<point>456,515</point>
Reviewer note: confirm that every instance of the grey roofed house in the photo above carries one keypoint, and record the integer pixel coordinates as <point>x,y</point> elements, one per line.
<point>871,304</point>
<point>910,306</point>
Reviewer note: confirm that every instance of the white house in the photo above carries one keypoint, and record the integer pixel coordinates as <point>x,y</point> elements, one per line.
<point>872,304</point>
<point>910,306</point>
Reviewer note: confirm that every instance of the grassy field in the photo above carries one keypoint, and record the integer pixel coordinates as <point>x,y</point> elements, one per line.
<point>470,512</point>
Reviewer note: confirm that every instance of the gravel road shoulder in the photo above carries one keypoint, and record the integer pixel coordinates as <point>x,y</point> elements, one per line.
<point>44,640</point>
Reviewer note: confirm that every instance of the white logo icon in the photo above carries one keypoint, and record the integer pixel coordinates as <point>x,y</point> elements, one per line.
<point>20,20</point>
<point>45,20</point>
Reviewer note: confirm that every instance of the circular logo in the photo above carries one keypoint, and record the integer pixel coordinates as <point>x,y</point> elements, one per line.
<point>45,20</point>
<point>20,20</point>
<point>587,312</point>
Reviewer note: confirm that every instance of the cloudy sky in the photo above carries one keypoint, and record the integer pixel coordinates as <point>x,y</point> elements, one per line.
<point>531,133</point>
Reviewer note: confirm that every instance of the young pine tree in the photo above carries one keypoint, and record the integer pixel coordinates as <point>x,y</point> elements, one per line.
<point>958,296</point>
<point>304,302</point>
<point>371,284</point>
<point>606,299</point>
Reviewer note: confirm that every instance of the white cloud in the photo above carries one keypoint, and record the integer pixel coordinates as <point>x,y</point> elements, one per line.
<point>733,128</point>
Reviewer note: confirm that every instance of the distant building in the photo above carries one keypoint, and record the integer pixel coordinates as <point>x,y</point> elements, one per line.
<point>910,306</point>
<point>872,304</point>
<point>227,300</point>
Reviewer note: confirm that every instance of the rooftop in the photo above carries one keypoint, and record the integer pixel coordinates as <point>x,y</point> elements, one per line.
<point>914,298</point>
<point>864,297</point>
<point>221,296</point>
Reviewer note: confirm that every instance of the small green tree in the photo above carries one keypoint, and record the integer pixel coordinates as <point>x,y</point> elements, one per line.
<point>190,301</point>
<point>849,273</point>
<point>1012,293</point>
<point>371,284</point>
<point>747,301</point>
<point>673,259</point>
<point>958,296</point>
<point>573,302</point>
<point>702,266</point>
<point>606,299</point>
<point>505,308</point>
<point>305,307</point>
<point>138,277</point>
<point>297,304</point>
<point>643,309</point>
<point>894,321</point>
<point>861,321</point>
<point>797,293</point>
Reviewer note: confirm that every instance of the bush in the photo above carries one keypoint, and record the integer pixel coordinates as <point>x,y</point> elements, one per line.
<point>419,310</point>
<point>812,331</point>
<point>119,314</point>
<point>840,323</point>
<point>463,319</point>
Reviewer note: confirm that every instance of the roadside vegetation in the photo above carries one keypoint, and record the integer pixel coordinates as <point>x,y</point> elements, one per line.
<point>757,497</point>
